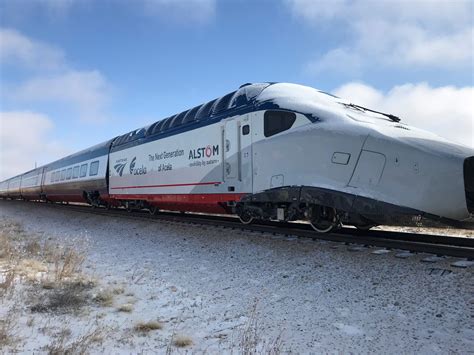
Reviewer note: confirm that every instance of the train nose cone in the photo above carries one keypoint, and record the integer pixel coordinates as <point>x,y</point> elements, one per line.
<point>469,183</point>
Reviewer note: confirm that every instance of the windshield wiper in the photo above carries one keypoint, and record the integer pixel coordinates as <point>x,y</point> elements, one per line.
<point>357,107</point>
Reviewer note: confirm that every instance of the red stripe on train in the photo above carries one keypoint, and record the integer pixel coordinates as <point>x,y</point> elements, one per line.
<point>167,185</point>
<point>211,203</point>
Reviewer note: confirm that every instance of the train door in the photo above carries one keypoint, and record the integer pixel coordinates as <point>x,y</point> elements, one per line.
<point>231,150</point>
<point>246,157</point>
<point>42,181</point>
<point>238,154</point>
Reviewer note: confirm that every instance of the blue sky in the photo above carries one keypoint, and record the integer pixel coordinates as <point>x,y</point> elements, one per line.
<point>77,72</point>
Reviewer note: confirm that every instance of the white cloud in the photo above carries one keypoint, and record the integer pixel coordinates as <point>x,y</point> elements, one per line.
<point>181,11</point>
<point>57,8</point>
<point>420,33</point>
<point>24,137</point>
<point>446,111</point>
<point>338,60</point>
<point>439,14</point>
<point>19,50</point>
<point>87,92</point>
<point>24,10</point>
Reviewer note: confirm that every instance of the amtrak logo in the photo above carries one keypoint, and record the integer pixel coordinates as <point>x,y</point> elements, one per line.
<point>119,168</point>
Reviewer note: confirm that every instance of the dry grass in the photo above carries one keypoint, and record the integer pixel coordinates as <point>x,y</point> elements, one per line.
<point>67,298</point>
<point>5,246</point>
<point>182,341</point>
<point>145,327</point>
<point>127,308</point>
<point>250,340</point>
<point>7,286</point>
<point>31,269</point>
<point>48,284</point>
<point>7,326</point>
<point>67,264</point>
<point>105,298</point>
<point>118,290</point>
<point>55,284</point>
<point>33,247</point>
<point>249,337</point>
<point>81,345</point>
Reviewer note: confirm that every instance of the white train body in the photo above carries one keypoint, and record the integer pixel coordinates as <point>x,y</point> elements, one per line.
<point>280,151</point>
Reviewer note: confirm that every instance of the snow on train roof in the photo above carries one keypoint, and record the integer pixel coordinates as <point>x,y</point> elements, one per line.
<point>298,97</point>
<point>310,101</point>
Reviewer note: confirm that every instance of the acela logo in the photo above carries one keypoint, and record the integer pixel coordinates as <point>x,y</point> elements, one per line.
<point>136,171</point>
<point>207,152</point>
<point>132,165</point>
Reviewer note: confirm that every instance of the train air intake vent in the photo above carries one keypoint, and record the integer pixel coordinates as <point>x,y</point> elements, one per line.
<point>469,183</point>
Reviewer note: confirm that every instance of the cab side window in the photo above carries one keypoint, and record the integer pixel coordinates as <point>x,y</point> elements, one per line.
<point>83,170</point>
<point>94,169</point>
<point>69,174</point>
<point>275,122</point>
<point>75,172</point>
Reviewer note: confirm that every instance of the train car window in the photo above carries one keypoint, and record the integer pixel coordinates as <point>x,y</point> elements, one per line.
<point>75,172</point>
<point>63,174</point>
<point>223,103</point>
<point>191,115</point>
<point>167,123</point>
<point>245,130</point>
<point>177,119</point>
<point>69,174</point>
<point>277,121</point>
<point>58,175</point>
<point>160,125</point>
<point>83,170</point>
<point>204,111</point>
<point>53,176</point>
<point>94,168</point>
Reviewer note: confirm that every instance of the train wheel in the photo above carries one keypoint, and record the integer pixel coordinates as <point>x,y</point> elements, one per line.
<point>324,219</point>
<point>245,218</point>
<point>153,210</point>
<point>365,227</point>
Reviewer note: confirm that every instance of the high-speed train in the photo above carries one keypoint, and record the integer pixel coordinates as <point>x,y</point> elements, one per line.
<point>275,151</point>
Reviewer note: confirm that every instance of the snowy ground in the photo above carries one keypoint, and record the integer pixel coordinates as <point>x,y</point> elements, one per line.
<point>228,290</point>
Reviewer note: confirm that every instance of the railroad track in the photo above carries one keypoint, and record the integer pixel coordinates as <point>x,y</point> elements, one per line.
<point>414,242</point>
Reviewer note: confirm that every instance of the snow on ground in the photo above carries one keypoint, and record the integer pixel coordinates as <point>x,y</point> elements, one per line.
<point>448,231</point>
<point>219,288</point>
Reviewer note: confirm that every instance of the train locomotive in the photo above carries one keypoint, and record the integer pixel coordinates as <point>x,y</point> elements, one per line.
<point>275,151</point>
